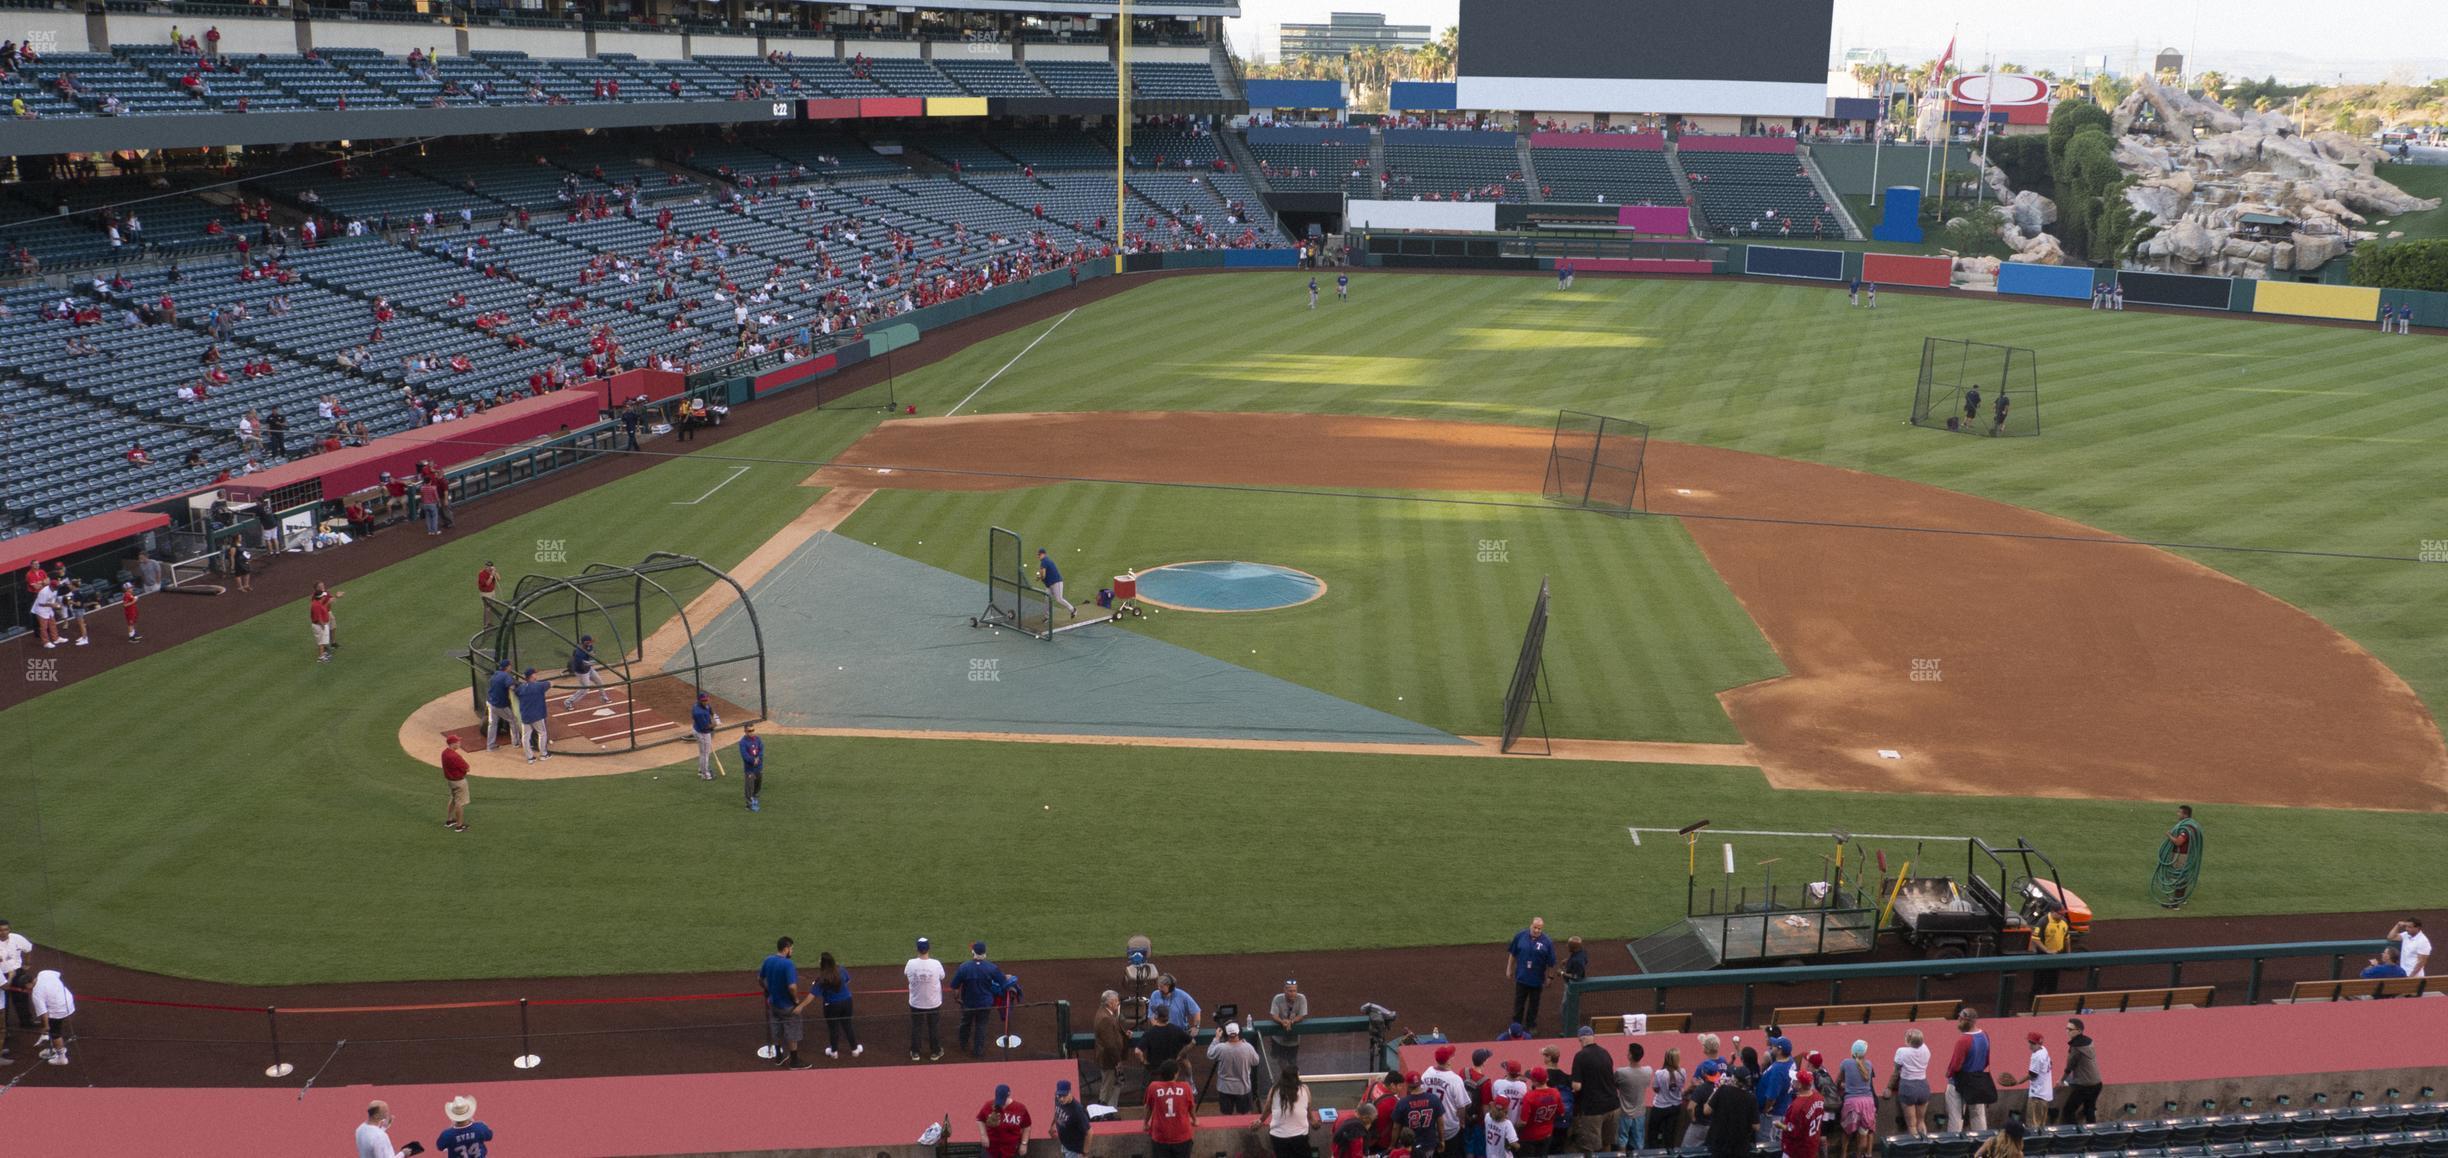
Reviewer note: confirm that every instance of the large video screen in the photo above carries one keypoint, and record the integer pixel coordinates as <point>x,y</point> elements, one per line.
<point>1741,57</point>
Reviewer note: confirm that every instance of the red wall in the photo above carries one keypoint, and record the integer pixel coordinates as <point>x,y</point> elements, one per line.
<point>795,373</point>
<point>892,106</point>
<point>1900,269</point>
<point>1673,219</point>
<point>449,443</point>
<point>1640,265</point>
<point>832,109</point>
<point>1634,142</point>
<point>615,392</point>
<point>1700,144</point>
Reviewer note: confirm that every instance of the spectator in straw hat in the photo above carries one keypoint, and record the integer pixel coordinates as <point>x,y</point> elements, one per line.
<point>466,1137</point>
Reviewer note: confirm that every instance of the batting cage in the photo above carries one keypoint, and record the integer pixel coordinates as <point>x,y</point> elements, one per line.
<point>1595,461</point>
<point>649,660</point>
<point>1977,388</point>
<point>1527,694</point>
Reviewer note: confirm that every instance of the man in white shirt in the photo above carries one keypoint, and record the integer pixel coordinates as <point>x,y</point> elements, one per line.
<point>1441,1080</point>
<point>926,983</point>
<point>13,950</point>
<point>46,615</point>
<point>374,1134</point>
<point>2043,1078</point>
<point>53,1006</point>
<point>2413,948</point>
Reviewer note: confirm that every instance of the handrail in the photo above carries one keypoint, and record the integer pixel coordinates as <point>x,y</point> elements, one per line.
<point>2175,958</point>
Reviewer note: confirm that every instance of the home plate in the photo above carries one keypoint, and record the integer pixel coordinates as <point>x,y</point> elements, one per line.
<point>602,713</point>
<point>1890,754</point>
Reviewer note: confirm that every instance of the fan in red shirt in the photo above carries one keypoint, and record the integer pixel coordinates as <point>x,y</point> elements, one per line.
<point>1804,1118</point>
<point>486,580</point>
<point>1004,1124</point>
<point>1539,1110</point>
<point>1172,1112</point>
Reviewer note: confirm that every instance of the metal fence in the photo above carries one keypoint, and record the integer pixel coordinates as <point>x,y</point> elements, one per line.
<point>2241,974</point>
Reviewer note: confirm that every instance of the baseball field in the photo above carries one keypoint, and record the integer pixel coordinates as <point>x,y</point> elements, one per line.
<point>2203,583</point>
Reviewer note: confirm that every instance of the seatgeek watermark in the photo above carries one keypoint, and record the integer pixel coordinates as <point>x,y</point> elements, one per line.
<point>2433,551</point>
<point>1495,550</point>
<point>552,551</point>
<point>42,671</point>
<point>985,671</point>
<point>1925,671</point>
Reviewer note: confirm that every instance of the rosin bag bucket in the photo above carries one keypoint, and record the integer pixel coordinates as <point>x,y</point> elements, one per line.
<point>1126,585</point>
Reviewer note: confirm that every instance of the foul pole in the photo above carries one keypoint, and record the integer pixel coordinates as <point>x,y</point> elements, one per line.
<point>1122,126</point>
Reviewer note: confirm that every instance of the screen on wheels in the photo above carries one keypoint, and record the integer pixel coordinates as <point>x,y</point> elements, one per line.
<point>1740,57</point>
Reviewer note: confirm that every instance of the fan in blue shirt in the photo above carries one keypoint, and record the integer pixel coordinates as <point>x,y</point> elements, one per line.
<point>466,1141</point>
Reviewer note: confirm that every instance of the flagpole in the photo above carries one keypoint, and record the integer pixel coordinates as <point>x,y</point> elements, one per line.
<point>1878,128</point>
<point>1988,92</point>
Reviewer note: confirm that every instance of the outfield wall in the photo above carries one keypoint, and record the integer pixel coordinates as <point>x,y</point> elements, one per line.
<point>2298,299</point>
<point>2022,278</point>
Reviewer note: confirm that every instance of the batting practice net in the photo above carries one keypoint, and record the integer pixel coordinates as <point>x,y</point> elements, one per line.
<point>1595,461</point>
<point>1526,695</point>
<point>652,657</point>
<point>1962,384</point>
<point>1013,599</point>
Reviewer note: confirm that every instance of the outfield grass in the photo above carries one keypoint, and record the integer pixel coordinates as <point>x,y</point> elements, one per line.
<point>2421,181</point>
<point>2174,428</point>
<point>228,808</point>
<point>1415,621</point>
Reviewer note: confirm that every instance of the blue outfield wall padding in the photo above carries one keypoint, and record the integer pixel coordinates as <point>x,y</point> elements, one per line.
<point>1433,96</point>
<point>1780,261</point>
<point>1196,259</point>
<point>2046,281</point>
<point>1295,94</point>
<point>2241,294</point>
<point>1261,258</point>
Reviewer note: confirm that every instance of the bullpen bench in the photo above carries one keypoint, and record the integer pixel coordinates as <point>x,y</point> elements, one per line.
<point>2357,990</point>
<point>2121,1000</point>
<point>1866,1013</point>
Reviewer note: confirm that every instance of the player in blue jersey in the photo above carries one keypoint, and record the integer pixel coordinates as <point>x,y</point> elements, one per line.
<point>1342,287</point>
<point>1051,575</point>
<point>466,1137</point>
<point>752,762</point>
<point>1313,293</point>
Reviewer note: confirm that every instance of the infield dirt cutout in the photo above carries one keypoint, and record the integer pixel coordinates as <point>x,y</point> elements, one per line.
<point>1992,660</point>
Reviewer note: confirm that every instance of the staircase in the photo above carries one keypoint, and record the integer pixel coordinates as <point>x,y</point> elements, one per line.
<point>1529,171</point>
<point>1227,72</point>
<point>1674,165</point>
<point>1377,157</point>
<point>1827,193</point>
<point>1237,151</point>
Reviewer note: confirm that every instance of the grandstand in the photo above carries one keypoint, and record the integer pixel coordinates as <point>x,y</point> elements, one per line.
<point>1756,187</point>
<point>1622,170</point>
<point>1454,166</point>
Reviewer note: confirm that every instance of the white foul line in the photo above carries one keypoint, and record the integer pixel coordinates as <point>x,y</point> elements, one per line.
<point>1008,365</point>
<point>735,473</point>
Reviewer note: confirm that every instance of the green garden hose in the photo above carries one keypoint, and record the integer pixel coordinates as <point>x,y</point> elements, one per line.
<point>2172,881</point>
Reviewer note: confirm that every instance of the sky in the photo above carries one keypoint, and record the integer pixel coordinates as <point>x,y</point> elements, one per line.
<point>2238,37</point>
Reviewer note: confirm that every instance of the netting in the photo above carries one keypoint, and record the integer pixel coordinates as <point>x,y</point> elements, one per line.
<point>1977,388</point>
<point>650,660</point>
<point>1596,461</point>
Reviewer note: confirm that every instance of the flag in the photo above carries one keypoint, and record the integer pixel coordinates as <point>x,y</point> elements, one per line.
<point>1937,74</point>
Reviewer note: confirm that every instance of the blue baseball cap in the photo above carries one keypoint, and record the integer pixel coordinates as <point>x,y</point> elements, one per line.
<point>1062,1089</point>
<point>1711,1068</point>
<point>977,946</point>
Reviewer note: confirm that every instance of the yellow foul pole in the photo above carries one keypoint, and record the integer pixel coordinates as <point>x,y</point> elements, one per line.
<point>1122,127</point>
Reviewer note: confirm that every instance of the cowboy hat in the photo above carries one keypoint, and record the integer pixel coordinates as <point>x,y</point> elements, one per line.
<point>460,1110</point>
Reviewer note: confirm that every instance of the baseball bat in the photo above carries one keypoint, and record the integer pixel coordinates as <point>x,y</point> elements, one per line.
<point>719,770</point>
